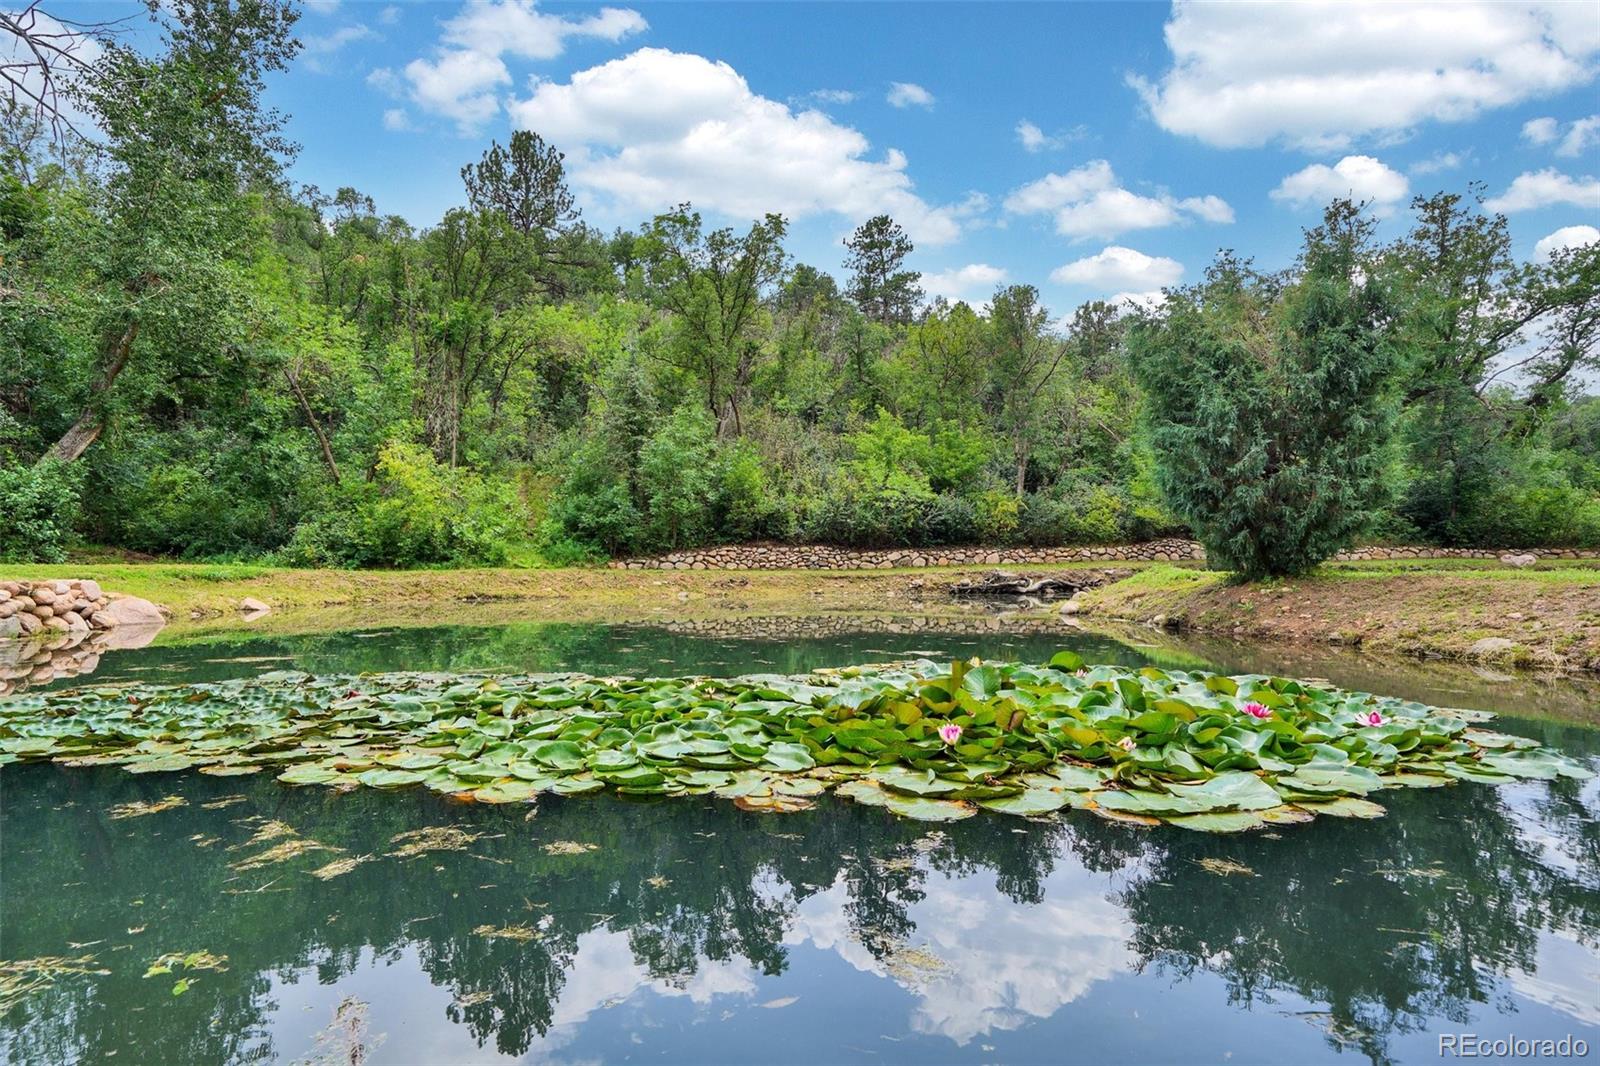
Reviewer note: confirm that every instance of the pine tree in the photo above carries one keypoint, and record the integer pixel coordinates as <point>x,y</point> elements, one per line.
<point>884,291</point>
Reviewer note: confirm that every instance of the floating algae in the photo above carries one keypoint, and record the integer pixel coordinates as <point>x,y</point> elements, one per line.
<point>921,740</point>
<point>140,808</point>
<point>20,978</point>
<point>434,838</point>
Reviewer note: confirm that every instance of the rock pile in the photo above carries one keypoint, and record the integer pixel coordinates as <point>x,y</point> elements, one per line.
<point>55,629</point>
<point>31,607</point>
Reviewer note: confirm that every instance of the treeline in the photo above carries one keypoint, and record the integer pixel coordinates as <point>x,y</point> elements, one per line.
<point>197,361</point>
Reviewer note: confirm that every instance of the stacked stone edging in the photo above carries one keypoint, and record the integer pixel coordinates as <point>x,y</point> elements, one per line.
<point>829,557</point>
<point>59,628</point>
<point>71,607</point>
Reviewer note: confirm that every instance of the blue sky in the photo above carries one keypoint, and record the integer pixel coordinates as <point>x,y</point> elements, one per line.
<point>1155,133</point>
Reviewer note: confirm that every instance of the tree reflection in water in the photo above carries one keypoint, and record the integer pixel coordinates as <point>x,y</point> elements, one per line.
<point>1394,926</point>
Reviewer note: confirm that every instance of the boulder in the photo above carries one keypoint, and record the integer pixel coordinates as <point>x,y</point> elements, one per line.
<point>1491,646</point>
<point>131,611</point>
<point>1519,559</point>
<point>251,605</point>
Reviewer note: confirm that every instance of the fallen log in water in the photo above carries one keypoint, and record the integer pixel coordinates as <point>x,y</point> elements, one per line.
<point>1045,587</point>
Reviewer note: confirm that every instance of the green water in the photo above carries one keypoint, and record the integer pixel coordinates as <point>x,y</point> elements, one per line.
<point>690,932</point>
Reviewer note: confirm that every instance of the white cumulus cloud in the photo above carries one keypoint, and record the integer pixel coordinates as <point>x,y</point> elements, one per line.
<point>1355,177</point>
<point>319,48</point>
<point>975,281</point>
<point>1119,268</point>
<point>1321,75</point>
<point>1088,201</point>
<point>520,28</point>
<point>1440,161</point>
<point>1034,139</point>
<point>1576,136</point>
<point>464,77</point>
<point>908,94</point>
<point>1563,238</point>
<point>1546,188</point>
<point>658,127</point>
<point>1541,130</point>
<point>1581,136</point>
<point>460,85</point>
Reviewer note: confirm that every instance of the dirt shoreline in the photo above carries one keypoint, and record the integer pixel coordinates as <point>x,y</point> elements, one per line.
<point>1545,619</point>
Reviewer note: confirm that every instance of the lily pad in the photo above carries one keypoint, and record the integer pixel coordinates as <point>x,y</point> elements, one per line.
<point>1346,807</point>
<point>929,810</point>
<point>507,792</point>
<point>1035,801</point>
<point>1035,739</point>
<point>1219,821</point>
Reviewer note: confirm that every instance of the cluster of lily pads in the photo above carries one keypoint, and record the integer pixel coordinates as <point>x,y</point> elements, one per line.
<point>924,740</point>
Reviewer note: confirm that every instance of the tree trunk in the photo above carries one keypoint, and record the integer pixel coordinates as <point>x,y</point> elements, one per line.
<point>86,430</point>
<point>316,427</point>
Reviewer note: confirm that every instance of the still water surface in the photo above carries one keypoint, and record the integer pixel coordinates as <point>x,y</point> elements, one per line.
<point>686,931</point>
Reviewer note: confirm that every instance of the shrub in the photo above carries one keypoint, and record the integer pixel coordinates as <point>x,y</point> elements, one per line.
<point>875,514</point>
<point>950,519</point>
<point>745,504</point>
<point>999,516</point>
<point>40,505</point>
<point>677,479</point>
<point>592,511</point>
<point>203,494</point>
<point>1532,516</point>
<point>414,512</point>
<point>1078,514</point>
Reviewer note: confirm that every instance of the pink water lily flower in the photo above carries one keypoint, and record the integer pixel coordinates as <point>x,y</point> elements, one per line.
<point>1372,718</point>
<point>949,732</point>
<point>1081,672</point>
<point>1255,710</point>
<point>1126,744</point>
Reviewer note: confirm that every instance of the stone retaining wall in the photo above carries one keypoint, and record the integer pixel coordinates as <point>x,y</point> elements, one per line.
<point>827,557</point>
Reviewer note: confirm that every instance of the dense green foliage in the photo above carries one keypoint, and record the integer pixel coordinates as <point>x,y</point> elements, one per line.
<point>228,368</point>
<point>1268,403</point>
<point>1203,751</point>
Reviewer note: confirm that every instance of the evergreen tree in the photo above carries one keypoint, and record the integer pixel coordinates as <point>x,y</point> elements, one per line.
<point>526,183</point>
<point>1267,403</point>
<point>879,284</point>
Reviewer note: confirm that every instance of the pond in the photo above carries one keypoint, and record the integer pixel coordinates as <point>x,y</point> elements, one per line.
<point>593,929</point>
